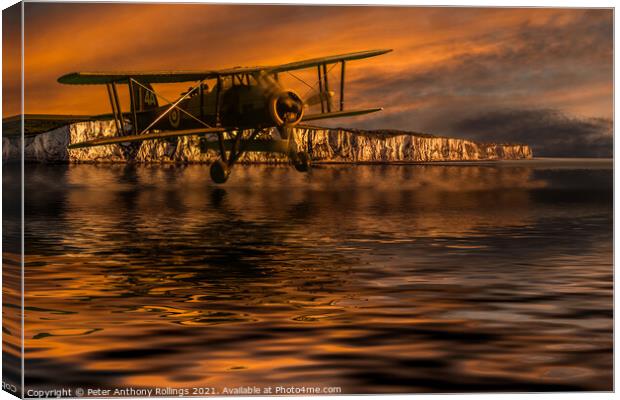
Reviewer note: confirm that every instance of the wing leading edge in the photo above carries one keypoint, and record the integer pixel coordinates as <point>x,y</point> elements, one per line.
<point>140,138</point>
<point>34,124</point>
<point>102,78</point>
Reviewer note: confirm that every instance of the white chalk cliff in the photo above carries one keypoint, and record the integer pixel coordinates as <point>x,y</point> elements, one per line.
<point>328,145</point>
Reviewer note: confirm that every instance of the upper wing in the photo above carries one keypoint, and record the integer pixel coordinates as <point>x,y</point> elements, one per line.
<point>100,78</point>
<point>327,60</point>
<point>39,123</point>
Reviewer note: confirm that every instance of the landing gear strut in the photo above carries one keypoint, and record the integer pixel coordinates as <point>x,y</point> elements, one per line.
<point>301,159</point>
<point>221,168</point>
<point>232,149</point>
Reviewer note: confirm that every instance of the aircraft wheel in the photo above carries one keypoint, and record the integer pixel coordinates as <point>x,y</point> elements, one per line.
<point>302,161</point>
<point>219,171</point>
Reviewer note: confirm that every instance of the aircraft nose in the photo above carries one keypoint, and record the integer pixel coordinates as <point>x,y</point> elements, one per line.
<point>286,108</point>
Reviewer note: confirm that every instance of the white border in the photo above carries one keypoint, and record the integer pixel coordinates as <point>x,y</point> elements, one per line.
<point>463,3</point>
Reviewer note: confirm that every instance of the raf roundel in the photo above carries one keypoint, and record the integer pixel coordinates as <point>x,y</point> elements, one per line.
<point>174,117</point>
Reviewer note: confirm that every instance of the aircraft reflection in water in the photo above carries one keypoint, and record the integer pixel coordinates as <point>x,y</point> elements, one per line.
<point>476,283</point>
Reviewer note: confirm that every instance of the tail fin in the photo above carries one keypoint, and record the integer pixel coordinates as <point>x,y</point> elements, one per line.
<point>143,99</point>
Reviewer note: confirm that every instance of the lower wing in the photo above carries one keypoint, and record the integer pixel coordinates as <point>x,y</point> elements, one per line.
<point>200,131</point>
<point>339,114</point>
<point>33,124</point>
<point>148,136</point>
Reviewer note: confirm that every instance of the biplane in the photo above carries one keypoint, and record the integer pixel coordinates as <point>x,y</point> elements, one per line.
<point>236,110</point>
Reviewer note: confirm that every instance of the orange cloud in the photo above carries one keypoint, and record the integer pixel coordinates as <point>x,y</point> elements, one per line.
<point>444,58</point>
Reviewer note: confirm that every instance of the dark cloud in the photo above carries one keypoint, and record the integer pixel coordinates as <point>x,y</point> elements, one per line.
<point>529,61</point>
<point>547,85</point>
<point>550,132</point>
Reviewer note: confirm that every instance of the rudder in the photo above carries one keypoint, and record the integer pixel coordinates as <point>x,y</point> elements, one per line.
<point>144,99</point>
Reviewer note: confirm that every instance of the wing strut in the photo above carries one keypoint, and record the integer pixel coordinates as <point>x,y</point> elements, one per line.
<point>318,67</point>
<point>132,97</point>
<point>326,84</point>
<point>324,94</point>
<point>342,85</point>
<point>116,108</point>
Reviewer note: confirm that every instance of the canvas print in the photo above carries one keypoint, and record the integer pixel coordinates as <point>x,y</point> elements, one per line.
<point>232,199</point>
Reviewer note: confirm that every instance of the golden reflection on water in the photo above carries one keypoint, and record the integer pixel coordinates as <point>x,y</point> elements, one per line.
<point>376,279</point>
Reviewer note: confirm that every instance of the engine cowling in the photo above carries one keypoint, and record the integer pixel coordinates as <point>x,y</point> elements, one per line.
<point>286,108</point>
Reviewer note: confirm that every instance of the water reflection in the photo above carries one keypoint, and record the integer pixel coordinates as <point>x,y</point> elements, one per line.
<point>374,278</point>
<point>12,280</point>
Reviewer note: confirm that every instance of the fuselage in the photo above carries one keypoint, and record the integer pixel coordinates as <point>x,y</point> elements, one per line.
<point>245,101</point>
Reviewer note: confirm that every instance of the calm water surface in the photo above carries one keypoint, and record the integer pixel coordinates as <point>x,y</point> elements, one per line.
<point>413,278</point>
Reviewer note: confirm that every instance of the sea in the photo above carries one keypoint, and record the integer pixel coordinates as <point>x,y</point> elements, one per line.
<point>350,279</point>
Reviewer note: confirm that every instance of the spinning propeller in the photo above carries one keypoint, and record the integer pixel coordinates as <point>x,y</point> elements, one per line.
<point>286,108</point>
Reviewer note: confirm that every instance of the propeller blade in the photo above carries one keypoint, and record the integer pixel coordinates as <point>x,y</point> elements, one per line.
<point>316,98</point>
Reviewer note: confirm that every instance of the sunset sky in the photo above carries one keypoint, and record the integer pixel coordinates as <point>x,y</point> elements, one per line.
<point>538,76</point>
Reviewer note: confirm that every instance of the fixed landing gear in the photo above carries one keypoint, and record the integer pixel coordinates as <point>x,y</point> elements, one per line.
<point>302,161</point>
<point>219,171</point>
<point>221,168</point>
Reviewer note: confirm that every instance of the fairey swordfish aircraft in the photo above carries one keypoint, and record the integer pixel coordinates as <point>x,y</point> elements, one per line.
<point>242,104</point>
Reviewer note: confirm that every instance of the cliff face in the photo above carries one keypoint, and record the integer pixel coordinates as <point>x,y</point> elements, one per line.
<point>327,145</point>
<point>345,146</point>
